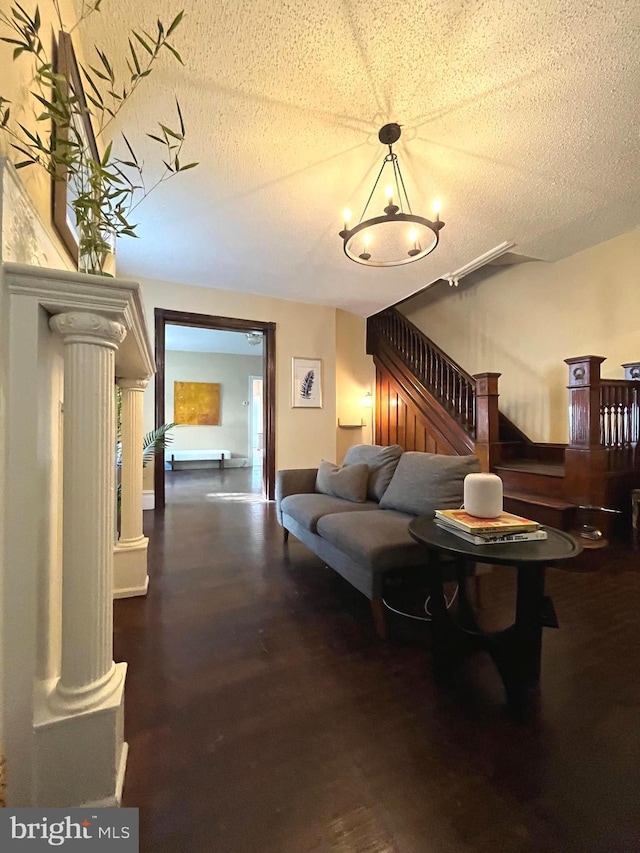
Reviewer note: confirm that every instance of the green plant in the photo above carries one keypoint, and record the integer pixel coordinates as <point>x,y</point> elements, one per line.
<point>106,188</point>
<point>155,442</point>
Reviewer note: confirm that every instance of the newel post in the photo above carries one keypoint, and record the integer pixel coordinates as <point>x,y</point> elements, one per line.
<point>487,444</point>
<point>632,370</point>
<point>585,457</point>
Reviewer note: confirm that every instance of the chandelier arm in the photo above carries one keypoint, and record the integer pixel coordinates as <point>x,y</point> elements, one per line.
<point>372,191</point>
<point>405,191</point>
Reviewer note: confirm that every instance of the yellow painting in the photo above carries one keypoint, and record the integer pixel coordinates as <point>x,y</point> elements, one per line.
<point>196,403</point>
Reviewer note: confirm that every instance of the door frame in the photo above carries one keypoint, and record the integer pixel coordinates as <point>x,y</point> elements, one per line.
<point>227,324</point>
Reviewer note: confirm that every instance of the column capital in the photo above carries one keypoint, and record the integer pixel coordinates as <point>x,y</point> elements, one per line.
<point>132,384</point>
<point>82,327</point>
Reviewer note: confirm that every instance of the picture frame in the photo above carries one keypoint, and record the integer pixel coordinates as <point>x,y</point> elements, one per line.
<point>66,64</point>
<point>306,383</point>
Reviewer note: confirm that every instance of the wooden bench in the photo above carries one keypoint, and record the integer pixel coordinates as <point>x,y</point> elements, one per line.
<point>173,456</point>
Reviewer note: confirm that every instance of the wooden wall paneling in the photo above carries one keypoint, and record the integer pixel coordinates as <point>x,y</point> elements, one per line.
<point>410,429</point>
<point>403,412</point>
<point>393,416</point>
<point>404,422</point>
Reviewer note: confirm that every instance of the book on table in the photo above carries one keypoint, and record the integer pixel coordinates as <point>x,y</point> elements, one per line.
<point>506,522</point>
<point>492,538</point>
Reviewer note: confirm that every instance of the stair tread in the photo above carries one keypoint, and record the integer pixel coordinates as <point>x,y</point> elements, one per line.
<point>532,466</point>
<point>542,500</point>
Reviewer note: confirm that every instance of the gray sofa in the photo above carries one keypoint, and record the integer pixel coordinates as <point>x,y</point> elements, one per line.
<point>356,517</point>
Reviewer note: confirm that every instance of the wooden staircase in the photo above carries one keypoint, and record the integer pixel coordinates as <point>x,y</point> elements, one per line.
<point>425,401</point>
<point>536,489</point>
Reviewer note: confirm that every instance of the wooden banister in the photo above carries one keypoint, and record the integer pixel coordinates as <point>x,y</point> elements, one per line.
<point>472,402</point>
<point>487,446</point>
<point>445,380</point>
<point>604,430</point>
<point>632,370</point>
<point>584,400</point>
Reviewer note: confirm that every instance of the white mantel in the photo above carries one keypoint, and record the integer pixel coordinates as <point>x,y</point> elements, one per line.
<point>61,722</point>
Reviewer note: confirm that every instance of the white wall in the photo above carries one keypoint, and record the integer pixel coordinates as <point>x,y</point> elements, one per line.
<point>232,372</point>
<point>303,436</point>
<point>524,321</point>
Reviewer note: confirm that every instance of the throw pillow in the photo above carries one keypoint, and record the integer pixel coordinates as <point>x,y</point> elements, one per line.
<point>349,482</point>
<point>425,482</point>
<point>381,461</point>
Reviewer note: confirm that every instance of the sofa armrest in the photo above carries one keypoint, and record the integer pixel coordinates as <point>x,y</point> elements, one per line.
<point>294,481</point>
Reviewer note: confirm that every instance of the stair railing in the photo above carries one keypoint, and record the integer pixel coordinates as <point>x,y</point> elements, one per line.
<point>452,387</point>
<point>604,430</point>
<point>472,401</point>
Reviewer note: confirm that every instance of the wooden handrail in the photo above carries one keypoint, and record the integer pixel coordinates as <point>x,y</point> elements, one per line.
<point>452,386</point>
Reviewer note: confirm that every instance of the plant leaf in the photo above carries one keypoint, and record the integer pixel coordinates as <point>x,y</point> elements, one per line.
<point>175,22</point>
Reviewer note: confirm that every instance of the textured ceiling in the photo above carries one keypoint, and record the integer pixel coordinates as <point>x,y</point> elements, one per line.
<point>520,117</point>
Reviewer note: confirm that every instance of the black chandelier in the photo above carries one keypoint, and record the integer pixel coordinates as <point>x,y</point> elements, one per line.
<point>398,237</point>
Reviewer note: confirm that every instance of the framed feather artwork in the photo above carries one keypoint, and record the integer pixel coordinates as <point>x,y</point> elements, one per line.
<point>306,383</point>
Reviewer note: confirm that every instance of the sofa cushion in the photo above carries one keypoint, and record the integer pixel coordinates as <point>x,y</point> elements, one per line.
<point>381,461</point>
<point>376,540</point>
<point>425,482</point>
<point>308,508</point>
<point>349,482</point>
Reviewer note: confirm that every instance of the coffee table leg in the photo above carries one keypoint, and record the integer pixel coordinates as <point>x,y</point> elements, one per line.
<point>517,651</point>
<point>450,643</point>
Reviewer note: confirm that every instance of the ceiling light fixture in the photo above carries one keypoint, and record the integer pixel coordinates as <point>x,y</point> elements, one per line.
<point>254,338</point>
<point>398,237</point>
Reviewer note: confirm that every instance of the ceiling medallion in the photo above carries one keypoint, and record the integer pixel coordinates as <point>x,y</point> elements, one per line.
<point>398,237</point>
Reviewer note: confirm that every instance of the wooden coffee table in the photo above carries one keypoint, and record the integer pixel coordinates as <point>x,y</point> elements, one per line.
<point>516,650</point>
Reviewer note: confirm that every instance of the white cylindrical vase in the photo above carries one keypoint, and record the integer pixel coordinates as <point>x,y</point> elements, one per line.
<point>483,495</point>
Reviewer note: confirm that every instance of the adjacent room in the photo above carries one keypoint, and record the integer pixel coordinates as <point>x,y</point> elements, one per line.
<point>214,396</point>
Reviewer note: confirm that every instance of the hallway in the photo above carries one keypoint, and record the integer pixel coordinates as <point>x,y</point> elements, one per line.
<point>263,714</point>
<point>212,484</point>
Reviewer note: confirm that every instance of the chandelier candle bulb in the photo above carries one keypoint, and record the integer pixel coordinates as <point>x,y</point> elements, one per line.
<point>483,495</point>
<point>413,237</point>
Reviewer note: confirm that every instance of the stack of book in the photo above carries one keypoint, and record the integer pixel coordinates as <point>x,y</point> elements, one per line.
<point>489,531</point>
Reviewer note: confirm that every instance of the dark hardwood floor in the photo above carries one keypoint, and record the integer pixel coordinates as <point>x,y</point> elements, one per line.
<point>263,714</point>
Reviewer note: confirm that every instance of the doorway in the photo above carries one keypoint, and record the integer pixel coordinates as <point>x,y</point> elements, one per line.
<point>264,418</point>
<point>256,421</point>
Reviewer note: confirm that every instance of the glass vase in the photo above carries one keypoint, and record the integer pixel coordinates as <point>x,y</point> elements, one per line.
<point>97,250</point>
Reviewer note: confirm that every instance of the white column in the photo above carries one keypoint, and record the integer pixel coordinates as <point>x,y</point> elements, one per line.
<point>130,576</point>
<point>131,474</point>
<point>88,674</point>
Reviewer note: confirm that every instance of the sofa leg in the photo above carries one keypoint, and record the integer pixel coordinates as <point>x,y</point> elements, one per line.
<point>286,534</point>
<point>379,617</point>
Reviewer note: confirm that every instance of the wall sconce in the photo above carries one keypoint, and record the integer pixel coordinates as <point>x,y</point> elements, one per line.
<point>367,403</point>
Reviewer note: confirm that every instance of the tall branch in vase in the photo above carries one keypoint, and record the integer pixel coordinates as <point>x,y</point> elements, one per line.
<point>107,187</point>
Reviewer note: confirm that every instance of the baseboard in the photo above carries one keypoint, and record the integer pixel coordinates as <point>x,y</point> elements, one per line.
<point>148,499</point>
